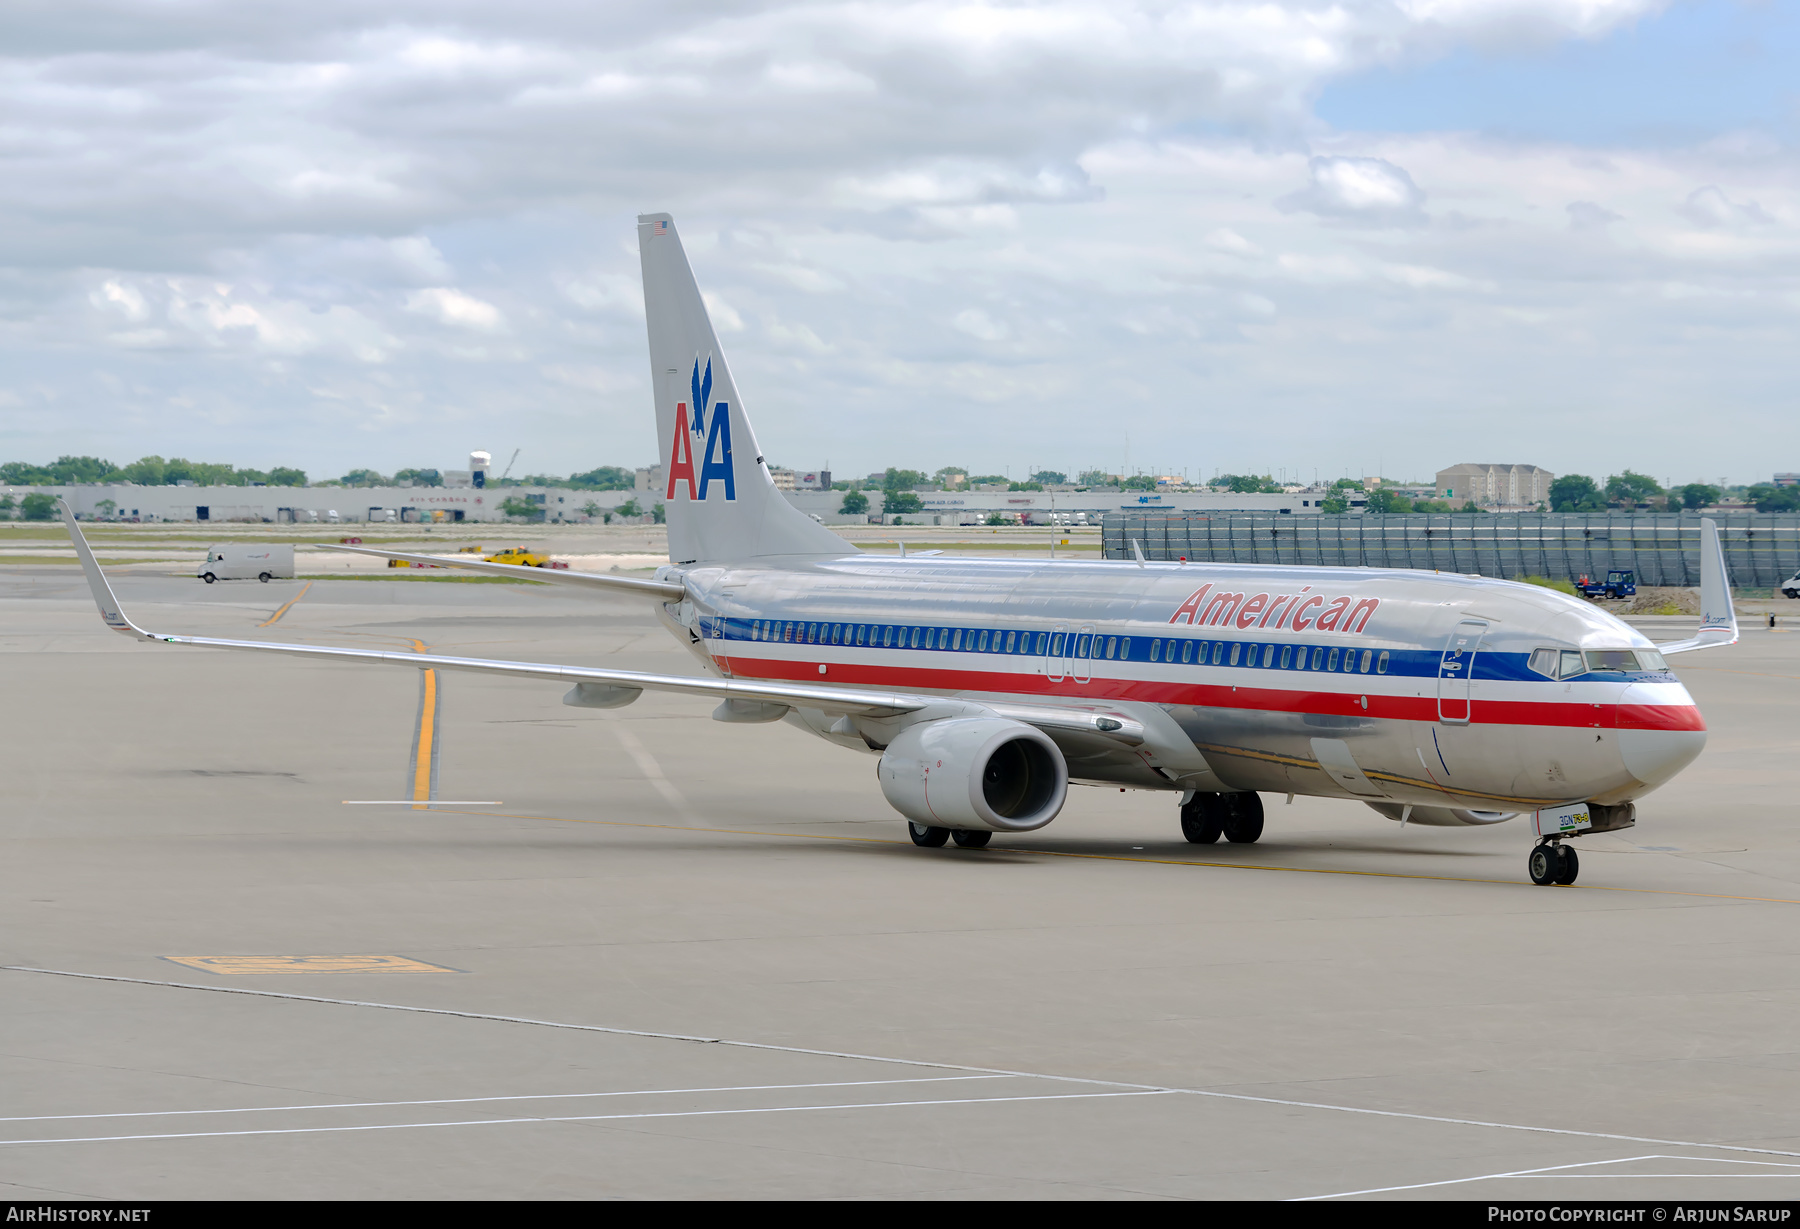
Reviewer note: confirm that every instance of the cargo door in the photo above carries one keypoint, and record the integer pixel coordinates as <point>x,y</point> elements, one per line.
<point>1456,669</point>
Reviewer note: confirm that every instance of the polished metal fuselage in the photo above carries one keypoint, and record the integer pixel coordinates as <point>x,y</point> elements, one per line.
<point>1394,687</point>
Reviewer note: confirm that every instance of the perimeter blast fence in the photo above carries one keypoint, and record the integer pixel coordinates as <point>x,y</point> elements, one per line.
<point>1761,549</point>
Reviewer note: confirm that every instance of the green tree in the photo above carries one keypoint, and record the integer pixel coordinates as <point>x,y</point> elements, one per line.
<point>659,514</point>
<point>283,476</point>
<point>902,480</point>
<point>1242,484</point>
<point>420,477</point>
<point>996,518</point>
<point>1631,488</point>
<point>1334,503</point>
<point>23,473</point>
<point>67,471</point>
<point>605,478</point>
<point>7,505</point>
<point>145,471</point>
<point>106,507</point>
<point>1575,493</point>
<point>362,477</point>
<point>988,480</point>
<point>1025,486</point>
<point>1050,477</point>
<point>951,476</point>
<point>629,508</point>
<point>1347,484</point>
<point>1768,497</point>
<point>1470,509</point>
<point>855,504</point>
<point>38,506</point>
<point>591,509</point>
<point>1390,501</point>
<point>902,501</point>
<point>1138,482</point>
<point>513,506</point>
<point>1095,477</point>
<point>1698,495</point>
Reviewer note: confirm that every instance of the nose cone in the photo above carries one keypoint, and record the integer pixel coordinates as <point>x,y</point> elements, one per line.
<point>1660,731</point>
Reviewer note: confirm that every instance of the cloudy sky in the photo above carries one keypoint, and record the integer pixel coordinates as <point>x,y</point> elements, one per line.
<point>1290,235</point>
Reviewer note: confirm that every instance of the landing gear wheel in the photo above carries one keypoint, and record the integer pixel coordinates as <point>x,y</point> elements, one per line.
<point>1244,822</point>
<point>1571,866</point>
<point>971,838</point>
<point>1544,863</point>
<point>929,837</point>
<point>209,578</point>
<point>1203,818</point>
<point>264,578</point>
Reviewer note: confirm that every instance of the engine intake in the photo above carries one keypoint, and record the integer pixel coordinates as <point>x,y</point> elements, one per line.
<point>975,772</point>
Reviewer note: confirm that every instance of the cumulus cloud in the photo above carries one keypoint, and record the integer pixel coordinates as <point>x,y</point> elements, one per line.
<point>1710,207</point>
<point>1586,215</point>
<point>306,209</point>
<point>1366,191</point>
<point>453,307</point>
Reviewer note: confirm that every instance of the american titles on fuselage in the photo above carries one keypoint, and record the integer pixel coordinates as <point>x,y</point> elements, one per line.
<point>1206,607</point>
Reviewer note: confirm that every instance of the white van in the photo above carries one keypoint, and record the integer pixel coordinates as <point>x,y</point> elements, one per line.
<point>248,561</point>
<point>1791,586</point>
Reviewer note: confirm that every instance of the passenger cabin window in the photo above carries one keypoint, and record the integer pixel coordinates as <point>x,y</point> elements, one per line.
<point>1331,661</point>
<point>1235,650</point>
<point>1287,655</point>
<point>1187,650</point>
<point>1056,644</point>
<point>1381,662</point>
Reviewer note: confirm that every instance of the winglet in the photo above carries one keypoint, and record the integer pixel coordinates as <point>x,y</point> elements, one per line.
<point>103,594</point>
<point>1718,618</point>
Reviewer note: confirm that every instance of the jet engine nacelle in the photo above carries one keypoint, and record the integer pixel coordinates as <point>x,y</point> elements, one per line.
<point>1443,817</point>
<point>975,772</point>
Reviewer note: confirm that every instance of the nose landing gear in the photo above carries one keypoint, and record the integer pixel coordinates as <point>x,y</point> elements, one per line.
<point>1553,862</point>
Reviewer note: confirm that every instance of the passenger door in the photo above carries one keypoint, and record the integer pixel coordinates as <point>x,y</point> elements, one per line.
<point>1455,670</point>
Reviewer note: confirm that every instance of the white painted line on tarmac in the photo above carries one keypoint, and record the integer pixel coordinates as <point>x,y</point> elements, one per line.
<point>542,1096</point>
<point>911,1062</point>
<point>495,1122</point>
<point>654,774</point>
<point>1554,1171</point>
<point>408,802</point>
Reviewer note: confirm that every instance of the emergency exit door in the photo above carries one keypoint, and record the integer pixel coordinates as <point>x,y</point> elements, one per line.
<point>1456,669</point>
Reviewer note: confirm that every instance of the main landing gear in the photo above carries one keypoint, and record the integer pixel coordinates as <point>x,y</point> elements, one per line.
<point>1553,862</point>
<point>931,838</point>
<point>1237,817</point>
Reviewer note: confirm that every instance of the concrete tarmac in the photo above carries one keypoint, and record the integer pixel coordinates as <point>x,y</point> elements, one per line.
<point>641,954</point>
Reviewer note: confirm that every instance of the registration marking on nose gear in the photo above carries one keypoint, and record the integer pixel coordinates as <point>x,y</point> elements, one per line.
<point>232,966</point>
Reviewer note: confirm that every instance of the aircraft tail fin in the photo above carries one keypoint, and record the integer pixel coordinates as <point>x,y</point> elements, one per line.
<point>1718,617</point>
<point>716,491</point>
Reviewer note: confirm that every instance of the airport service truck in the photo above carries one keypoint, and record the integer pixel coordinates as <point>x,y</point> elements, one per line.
<point>262,561</point>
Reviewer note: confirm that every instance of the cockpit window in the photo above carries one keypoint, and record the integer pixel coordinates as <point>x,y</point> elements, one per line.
<point>1650,659</point>
<point>1571,665</point>
<point>1543,661</point>
<point>1612,659</point>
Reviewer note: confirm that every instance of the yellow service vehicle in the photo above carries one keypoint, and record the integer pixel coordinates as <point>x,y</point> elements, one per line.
<point>523,556</point>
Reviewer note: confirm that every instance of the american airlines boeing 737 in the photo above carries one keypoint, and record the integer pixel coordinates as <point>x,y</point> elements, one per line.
<point>986,687</point>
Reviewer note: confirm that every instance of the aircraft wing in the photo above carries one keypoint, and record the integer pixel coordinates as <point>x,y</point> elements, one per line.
<point>619,684</point>
<point>668,591</point>
<point>1718,618</point>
